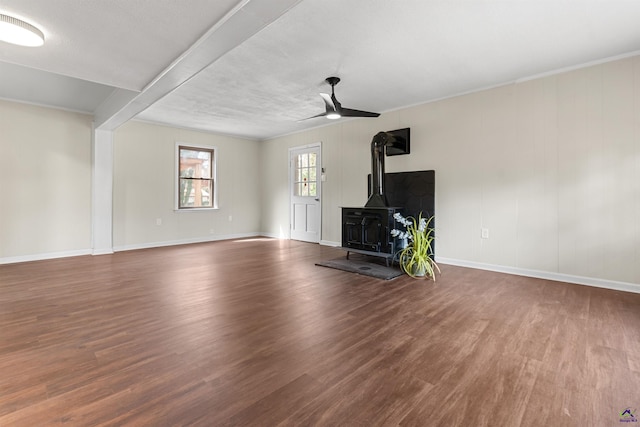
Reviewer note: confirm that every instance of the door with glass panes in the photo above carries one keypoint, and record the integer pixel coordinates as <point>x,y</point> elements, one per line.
<point>305,190</point>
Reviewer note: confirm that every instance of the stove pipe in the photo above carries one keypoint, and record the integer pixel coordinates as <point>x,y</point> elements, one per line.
<point>378,199</point>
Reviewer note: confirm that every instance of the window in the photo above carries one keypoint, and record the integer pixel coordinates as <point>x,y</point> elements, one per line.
<point>305,179</point>
<point>196,177</point>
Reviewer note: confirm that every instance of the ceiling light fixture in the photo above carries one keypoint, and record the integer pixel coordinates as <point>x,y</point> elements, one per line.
<point>333,116</point>
<point>16,31</point>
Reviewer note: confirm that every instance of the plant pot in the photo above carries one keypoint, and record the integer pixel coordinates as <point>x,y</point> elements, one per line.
<point>418,270</point>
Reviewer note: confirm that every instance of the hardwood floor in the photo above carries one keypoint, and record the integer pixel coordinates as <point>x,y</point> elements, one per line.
<point>252,333</point>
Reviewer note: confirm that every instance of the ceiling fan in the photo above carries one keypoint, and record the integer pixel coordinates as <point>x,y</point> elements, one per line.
<point>335,110</point>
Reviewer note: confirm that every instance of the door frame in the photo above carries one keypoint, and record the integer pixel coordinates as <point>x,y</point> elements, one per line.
<point>290,151</point>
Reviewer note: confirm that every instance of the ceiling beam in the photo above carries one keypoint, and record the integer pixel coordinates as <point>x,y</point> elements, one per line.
<point>237,26</point>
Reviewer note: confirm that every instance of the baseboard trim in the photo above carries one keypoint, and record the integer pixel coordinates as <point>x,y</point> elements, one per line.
<point>45,256</point>
<point>102,252</point>
<point>184,241</point>
<point>273,236</point>
<point>322,242</point>
<point>558,277</point>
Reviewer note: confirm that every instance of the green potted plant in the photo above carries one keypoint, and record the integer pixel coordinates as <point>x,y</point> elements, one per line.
<point>415,258</point>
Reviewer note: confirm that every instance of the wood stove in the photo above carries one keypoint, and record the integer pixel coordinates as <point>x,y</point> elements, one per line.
<point>367,229</point>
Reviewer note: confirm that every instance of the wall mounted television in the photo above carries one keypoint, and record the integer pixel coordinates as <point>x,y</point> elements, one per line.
<point>402,144</point>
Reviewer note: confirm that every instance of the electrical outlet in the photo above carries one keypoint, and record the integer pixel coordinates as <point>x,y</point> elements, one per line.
<point>158,221</point>
<point>484,233</point>
<point>211,231</point>
<point>230,218</point>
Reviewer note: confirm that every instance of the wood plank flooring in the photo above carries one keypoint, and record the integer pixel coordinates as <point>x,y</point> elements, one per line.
<point>252,333</point>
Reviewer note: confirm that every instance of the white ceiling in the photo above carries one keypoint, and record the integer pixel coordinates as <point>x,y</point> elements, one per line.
<point>253,68</point>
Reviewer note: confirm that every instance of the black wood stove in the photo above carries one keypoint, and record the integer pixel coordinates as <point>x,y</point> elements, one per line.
<point>367,229</point>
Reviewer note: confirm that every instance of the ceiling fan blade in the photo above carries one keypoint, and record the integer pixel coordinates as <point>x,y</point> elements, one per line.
<point>313,117</point>
<point>348,112</point>
<point>328,102</point>
<point>329,107</point>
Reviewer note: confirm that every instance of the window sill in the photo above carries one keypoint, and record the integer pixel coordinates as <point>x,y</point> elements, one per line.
<point>195,209</point>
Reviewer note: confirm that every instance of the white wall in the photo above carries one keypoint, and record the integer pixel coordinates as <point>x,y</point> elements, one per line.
<point>144,165</point>
<point>550,166</point>
<point>45,182</point>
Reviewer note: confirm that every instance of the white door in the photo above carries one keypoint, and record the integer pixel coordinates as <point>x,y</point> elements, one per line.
<point>305,190</point>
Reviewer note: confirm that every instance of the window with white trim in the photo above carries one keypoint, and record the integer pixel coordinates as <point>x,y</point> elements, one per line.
<point>196,177</point>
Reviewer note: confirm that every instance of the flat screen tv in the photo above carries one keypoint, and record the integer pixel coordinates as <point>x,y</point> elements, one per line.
<point>402,144</point>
